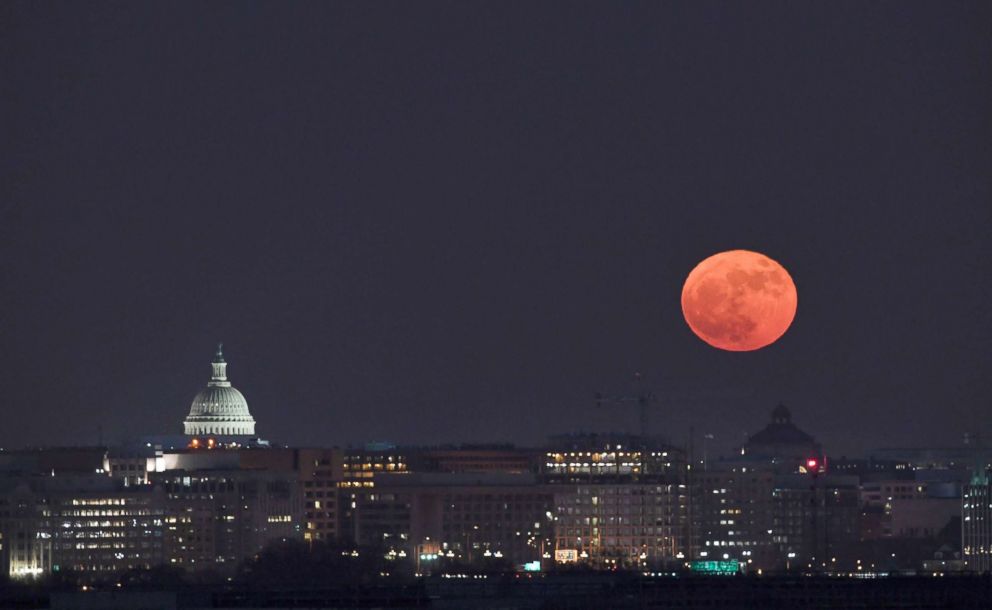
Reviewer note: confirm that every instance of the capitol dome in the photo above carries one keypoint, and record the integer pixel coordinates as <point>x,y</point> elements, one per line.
<point>219,409</point>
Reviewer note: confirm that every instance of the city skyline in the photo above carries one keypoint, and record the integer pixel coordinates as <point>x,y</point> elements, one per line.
<point>211,505</point>
<point>437,223</point>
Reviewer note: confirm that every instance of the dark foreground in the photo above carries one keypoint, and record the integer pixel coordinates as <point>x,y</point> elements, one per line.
<point>551,592</point>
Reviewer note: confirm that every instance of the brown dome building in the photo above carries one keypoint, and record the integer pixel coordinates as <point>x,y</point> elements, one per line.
<point>781,442</point>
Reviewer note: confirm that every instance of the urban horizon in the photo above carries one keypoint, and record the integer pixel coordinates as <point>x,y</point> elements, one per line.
<point>780,504</point>
<point>216,510</point>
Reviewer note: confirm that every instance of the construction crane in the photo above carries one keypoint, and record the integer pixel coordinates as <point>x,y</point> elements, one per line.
<point>641,397</point>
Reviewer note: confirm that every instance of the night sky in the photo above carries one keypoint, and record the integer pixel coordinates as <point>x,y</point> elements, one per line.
<point>448,222</point>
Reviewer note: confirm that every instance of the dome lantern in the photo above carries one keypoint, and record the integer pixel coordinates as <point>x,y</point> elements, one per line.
<point>219,377</point>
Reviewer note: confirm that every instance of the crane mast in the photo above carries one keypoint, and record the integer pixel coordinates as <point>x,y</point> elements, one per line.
<point>641,398</point>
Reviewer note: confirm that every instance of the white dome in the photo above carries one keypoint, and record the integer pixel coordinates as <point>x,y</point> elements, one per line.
<point>225,402</point>
<point>219,408</point>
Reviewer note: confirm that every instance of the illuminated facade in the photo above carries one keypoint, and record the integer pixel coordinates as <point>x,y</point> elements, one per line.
<point>25,540</point>
<point>976,524</point>
<point>622,524</point>
<point>95,532</point>
<point>359,468</point>
<point>130,466</point>
<point>620,501</point>
<point>90,525</point>
<point>579,458</point>
<point>219,409</point>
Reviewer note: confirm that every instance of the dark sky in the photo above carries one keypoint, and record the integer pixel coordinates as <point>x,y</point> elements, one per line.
<point>430,222</point>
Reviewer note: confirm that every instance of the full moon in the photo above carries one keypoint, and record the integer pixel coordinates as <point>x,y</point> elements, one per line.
<point>739,300</point>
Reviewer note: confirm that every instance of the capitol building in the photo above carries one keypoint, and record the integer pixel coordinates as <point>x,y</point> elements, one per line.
<point>219,409</point>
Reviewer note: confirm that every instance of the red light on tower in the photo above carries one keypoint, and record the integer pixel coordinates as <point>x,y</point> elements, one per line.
<point>812,465</point>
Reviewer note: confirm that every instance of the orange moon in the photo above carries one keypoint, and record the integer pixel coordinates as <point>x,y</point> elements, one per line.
<point>739,300</point>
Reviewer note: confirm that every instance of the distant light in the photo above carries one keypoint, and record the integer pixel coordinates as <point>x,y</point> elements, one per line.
<point>812,464</point>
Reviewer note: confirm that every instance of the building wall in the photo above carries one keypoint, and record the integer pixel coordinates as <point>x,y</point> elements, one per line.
<point>733,516</point>
<point>320,472</point>
<point>611,461</point>
<point>54,460</point>
<point>512,522</point>
<point>358,471</point>
<point>818,522</point>
<point>477,460</point>
<point>622,524</point>
<point>769,521</point>
<point>922,517</point>
<point>25,543</point>
<point>91,525</point>
<point>976,526</point>
<point>111,531</point>
<point>463,518</point>
<point>216,519</point>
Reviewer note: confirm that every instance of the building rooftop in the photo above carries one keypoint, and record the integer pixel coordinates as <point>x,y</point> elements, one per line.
<point>781,431</point>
